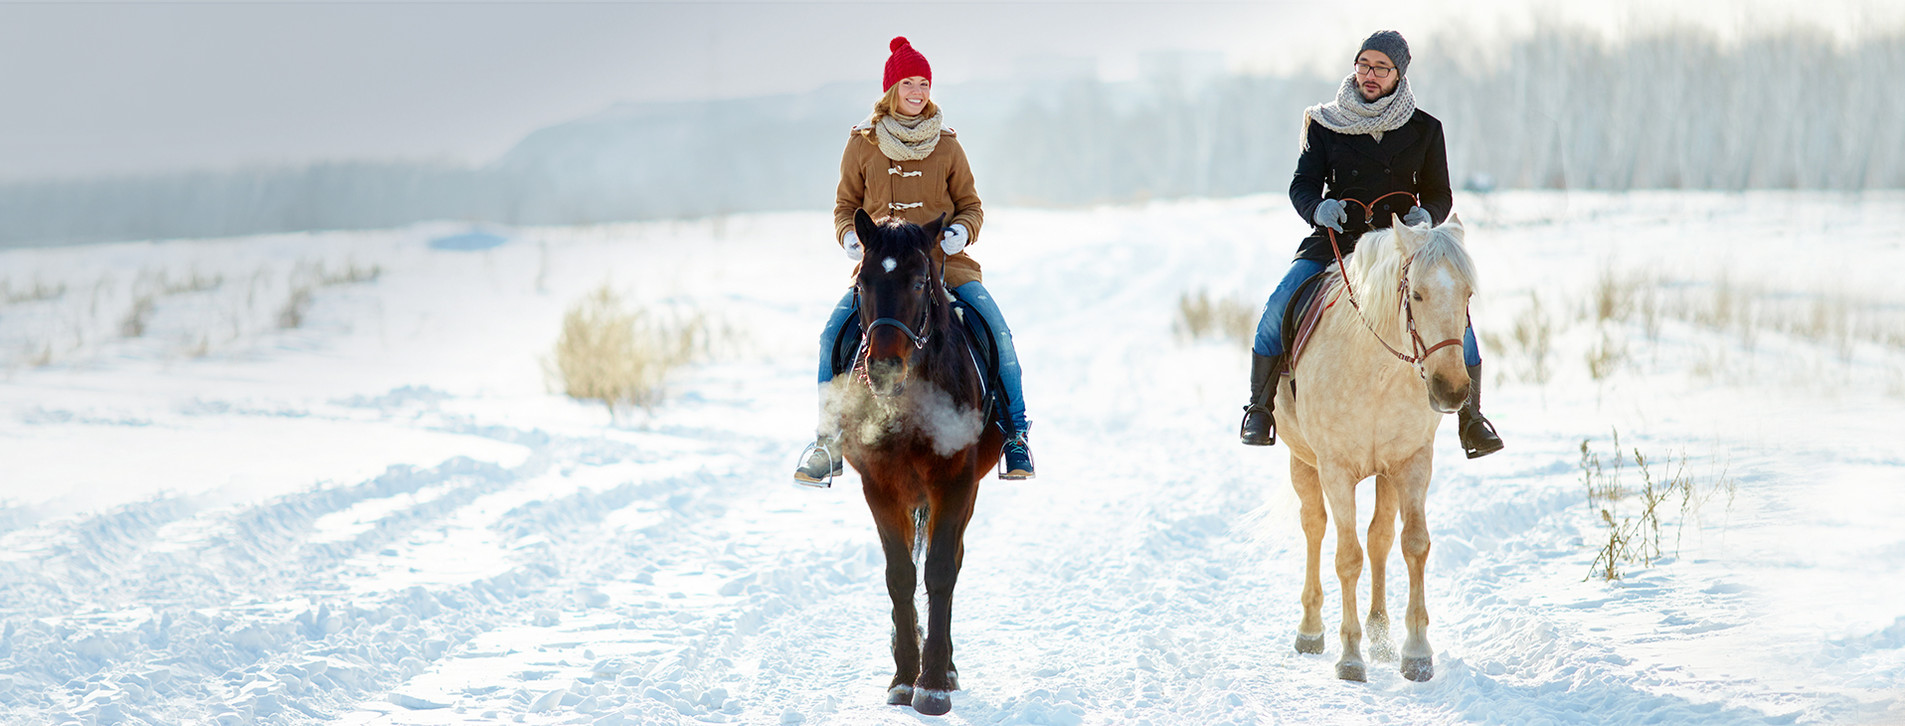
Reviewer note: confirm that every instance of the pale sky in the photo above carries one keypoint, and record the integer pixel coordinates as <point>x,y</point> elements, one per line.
<point>90,88</point>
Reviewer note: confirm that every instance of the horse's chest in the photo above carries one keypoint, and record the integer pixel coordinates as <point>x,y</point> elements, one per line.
<point>1355,422</point>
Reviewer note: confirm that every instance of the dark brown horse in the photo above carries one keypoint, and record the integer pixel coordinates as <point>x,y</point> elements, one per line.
<point>914,425</point>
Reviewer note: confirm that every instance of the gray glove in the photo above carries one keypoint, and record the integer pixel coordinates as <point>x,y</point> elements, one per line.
<point>1417,217</point>
<point>1331,214</point>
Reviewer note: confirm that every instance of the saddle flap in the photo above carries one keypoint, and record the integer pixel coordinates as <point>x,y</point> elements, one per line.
<point>1301,315</point>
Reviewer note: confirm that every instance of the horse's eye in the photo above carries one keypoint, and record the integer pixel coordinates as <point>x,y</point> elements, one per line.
<point>919,284</point>
<point>1416,295</point>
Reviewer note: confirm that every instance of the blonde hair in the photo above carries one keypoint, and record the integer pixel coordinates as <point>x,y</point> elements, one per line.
<point>891,100</point>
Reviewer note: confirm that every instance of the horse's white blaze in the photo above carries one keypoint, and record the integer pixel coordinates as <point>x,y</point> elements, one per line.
<point>888,264</point>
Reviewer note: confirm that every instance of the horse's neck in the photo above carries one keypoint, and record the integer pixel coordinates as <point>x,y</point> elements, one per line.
<point>1346,329</point>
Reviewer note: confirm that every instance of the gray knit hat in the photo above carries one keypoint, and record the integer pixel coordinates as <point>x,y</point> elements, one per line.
<point>1389,43</point>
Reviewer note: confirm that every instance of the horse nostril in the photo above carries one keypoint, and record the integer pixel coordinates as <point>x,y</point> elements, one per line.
<point>1448,391</point>
<point>885,370</point>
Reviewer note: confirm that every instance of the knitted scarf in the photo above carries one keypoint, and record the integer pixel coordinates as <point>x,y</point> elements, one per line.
<point>1350,114</point>
<point>907,138</point>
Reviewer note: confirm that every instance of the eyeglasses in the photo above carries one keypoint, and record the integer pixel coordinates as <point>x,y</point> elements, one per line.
<point>1374,71</point>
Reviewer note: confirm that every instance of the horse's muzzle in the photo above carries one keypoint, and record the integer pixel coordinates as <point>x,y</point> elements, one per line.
<point>886,376</point>
<point>1446,395</point>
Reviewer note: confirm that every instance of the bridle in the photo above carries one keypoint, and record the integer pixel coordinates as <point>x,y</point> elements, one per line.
<point>1418,350</point>
<point>925,324</point>
<point>919,338</point>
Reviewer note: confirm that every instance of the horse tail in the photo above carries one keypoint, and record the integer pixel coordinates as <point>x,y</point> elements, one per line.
<point>921,523</point>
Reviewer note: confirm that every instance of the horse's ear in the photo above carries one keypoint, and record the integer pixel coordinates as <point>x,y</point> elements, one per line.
<point>863,226</point>
<point>933,228</point>
<point>1396,223</point>
<point>1454,226</point>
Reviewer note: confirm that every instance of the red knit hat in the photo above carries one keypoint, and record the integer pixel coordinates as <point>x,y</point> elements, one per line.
<point>904,63</point>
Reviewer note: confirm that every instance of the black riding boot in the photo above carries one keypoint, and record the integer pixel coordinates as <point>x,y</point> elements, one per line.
<point>1478,435</point>
<point>1260,426</point>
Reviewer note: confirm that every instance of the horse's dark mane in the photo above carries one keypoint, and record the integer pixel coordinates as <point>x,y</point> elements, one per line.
<point>906,242</point>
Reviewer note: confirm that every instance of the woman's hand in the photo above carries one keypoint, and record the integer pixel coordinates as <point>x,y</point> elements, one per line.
<point>954,239</point>
<point>851,243</point>
<point>1332,214</point>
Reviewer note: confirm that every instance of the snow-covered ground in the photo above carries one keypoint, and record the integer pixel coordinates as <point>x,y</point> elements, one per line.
<point>383,516</point>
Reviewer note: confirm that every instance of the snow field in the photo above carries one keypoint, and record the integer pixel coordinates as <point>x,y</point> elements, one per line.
<point>383,517</point>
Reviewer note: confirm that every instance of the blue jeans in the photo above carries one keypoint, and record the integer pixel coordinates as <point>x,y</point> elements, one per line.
<point>1270,327</point>
<point>972,294</point>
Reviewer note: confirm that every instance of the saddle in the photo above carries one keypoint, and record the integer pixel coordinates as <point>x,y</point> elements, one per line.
<point>1301,315</point>
<point>846,351</point>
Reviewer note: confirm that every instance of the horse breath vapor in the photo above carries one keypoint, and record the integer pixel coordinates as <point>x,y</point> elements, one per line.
<point>950,427</point>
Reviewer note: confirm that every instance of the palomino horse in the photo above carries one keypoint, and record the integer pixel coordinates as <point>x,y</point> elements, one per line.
<point>1355,406</point>
<point>913,417</point>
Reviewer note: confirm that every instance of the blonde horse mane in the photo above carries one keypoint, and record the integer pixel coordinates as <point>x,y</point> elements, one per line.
<point>1375,267</point>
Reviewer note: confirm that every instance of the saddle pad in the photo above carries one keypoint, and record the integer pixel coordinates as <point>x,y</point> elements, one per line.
<point>1303,312</point>
<point>984,358</point>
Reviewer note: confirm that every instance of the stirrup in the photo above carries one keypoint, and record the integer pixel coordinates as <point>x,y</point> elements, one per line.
<point>1010,474</point>
<point>803,478</point>
<point>1477,452</point>
<point>1271,435</point>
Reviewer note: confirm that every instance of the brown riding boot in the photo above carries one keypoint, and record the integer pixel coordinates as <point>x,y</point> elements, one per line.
<point>1260,424</point>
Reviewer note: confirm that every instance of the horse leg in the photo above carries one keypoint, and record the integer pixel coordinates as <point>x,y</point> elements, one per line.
<point>1340,491</point>
<point>1382,534</point>
<point>895,524</point>
<point>945,552</point>
<point>1309,633</point>
<point>1417,658</point>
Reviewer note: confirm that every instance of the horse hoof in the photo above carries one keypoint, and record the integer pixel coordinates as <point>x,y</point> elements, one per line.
<point>1418,669</point>
<point>932,703</point>
<point>1351,672</point>
<point>900,695</point>
<point>1311,644</point>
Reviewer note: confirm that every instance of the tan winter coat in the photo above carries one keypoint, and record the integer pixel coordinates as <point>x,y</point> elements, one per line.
<point>939,184</point>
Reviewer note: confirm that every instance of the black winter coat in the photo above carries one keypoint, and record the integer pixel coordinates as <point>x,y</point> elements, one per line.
<point>1412,159</point>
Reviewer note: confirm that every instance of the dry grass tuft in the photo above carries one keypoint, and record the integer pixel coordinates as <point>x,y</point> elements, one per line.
<point>1631,514</point>
<point>1606,356</point>
<point>349,274</point>
<point>291,313</point>
<point>1199,316</point>
<point>621,355</point>
<point>39,291</point>
<point>1530,344</point>
<point>133,325</point>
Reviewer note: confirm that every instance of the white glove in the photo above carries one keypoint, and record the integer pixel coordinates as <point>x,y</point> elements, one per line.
<point>954,239</point>
<point>852,244</point>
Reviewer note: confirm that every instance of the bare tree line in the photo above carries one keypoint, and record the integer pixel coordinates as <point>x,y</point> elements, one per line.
<point>1561,108</point>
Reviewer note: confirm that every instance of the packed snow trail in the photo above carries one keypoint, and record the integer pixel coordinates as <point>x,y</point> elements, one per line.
<point>445,542</point>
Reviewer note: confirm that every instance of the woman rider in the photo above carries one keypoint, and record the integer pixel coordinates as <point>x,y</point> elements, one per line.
<point>1370,143</point>
<point>902,162</point>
